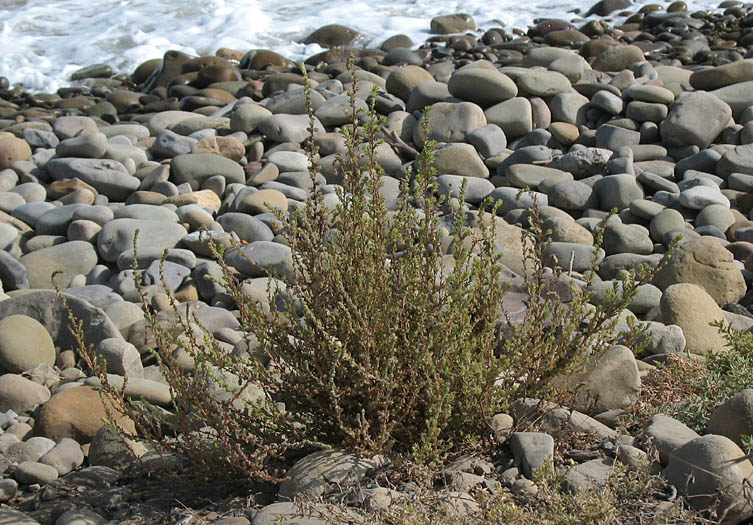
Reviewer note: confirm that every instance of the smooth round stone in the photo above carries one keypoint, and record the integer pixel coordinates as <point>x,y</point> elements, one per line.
<point>482,86</point>
<point>530,175</point>
<point>450,122</point>
<point>717,77</point>
<point>291,192</point>
<point>13,149</point>
<point>117,236</point>
<point>147,256</point>
<point>8,235</point>
<point>10,201</point>
<point>646,111</point>
<point>740,182</point>
<point>570,107</point>
<point>194,169</point>
<point>476,189</point>
<point>246,227</point>
<point>80,517</point>
<point>649,93</point>
<point>169,144</point>
<point>655,182</point>
<point>459,159</point>
<point>90,146</point>
<point>580,255</point>
<point>109,177</point>
<point>288,128</point>
<point>618,58</point>
<point>68,259</point>
<point>30,191</point>
<point>617,191</point>
<point>193,215</point>
<point>24,344</point>
<point>513,116</point>
<point>262,258</point>
<point>426,94</point>
<point>715,215</point>
<point>488,140</point>
<point>512,199</point>
<point>337,110</point>
<point>64,457</point>
<point>37,138</point>
<point>666,221</point>
<point>146,212</point>
<point>247,117</point>
<point>403,79</point>
<point>572,195</point>
<point>31,472</point>
<point>8,489</point>
<point>614,137</point>
<point>289,161</point>
<point>565,229</point>
<point>626,238</point>
<point>564,132</point>
<point>199,241</point>
<point>97,214</point>
<point>645,209</point>
<point>698,197</point>
<point>542,83</point>
<point>12,273</point>
<point>66,127</point>
<point>647,297</point>
<point>199,123</point>
<point>263,201</point>
<point>608,102</point>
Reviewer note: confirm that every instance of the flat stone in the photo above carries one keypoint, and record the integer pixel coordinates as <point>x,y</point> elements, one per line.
<point>482,86</point>
<point>108,177</point>
<point>195,168</point>
<point>31,472</point>
<point>117,236</point>
<point>317,472</point>
<point>591,475</point>
<point>20,394</point>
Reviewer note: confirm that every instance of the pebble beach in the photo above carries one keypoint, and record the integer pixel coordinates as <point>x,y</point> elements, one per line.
<point>643,109</point>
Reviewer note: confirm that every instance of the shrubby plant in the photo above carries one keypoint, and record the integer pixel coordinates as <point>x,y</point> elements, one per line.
<point>700,386</point>
<point>377,341</point>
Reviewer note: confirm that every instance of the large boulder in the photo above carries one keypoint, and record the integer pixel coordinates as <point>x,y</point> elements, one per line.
<point>47,307</point>
<point>695,119</point>
<point>68,259</point>
<point>734,417</point>
<point>116,236</point>
<point>692,309</point>
<point>24,344</point>
<point>450,122</point>
<point>714,474</point>
<point>76,413</point>
<point>706,263</point>
<point>611,381</point>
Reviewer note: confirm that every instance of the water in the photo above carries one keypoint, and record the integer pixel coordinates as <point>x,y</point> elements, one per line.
<point>43,41</point>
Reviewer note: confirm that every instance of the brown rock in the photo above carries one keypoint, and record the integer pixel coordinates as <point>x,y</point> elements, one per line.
<point>11,150</point>
<point>76,413</point>
<point>709,265</point>
<point>228,147</point>
<point>692,309</point>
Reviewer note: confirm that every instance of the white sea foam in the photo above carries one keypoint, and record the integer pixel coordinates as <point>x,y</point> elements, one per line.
<point>42,42</point>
